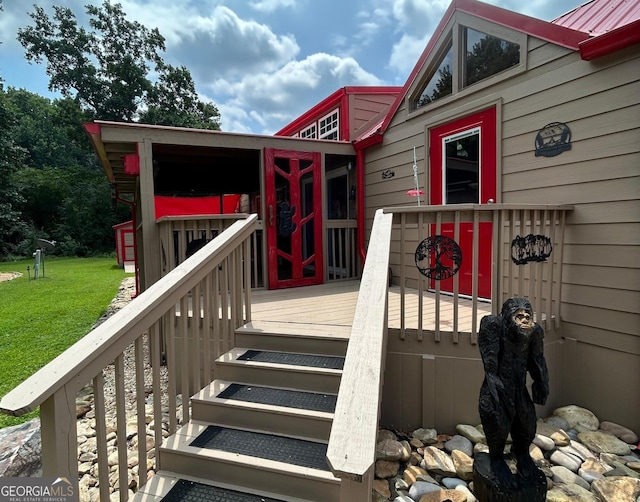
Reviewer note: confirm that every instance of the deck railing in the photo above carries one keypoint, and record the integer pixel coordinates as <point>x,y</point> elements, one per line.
<point>529,267</point>
<point>217,274</point>
<point>342,251</point>
<point>523,243</point>
<point>352,444</point>
<point>181,236</point>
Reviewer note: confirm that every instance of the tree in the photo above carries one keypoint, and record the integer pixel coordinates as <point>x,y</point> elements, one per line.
<point>12,225</point>
<point>50,131</point>
<point>107,67</point>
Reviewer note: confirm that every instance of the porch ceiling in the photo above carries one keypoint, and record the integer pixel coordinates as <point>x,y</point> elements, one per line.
<point>214,162</point>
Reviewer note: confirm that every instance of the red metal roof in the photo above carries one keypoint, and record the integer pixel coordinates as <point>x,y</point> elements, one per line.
<point>600,16</point>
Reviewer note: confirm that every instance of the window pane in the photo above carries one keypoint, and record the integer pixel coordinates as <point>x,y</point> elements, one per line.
<point>441,83</point>
<point>329,126</point>
<point>462,168</point>
<point>486,55</point>
<point>337,197</point>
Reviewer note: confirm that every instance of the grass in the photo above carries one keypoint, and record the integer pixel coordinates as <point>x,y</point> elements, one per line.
<point>41,318</point>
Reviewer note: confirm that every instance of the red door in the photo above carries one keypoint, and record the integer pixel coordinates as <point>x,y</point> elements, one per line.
<point>463,171</point>
<point>294,218</point>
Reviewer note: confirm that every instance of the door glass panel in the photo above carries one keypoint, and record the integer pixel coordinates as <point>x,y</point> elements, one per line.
<point>337,197</point>
<point>462,167</point>
<point>308,244</point>
<point>284,222</point>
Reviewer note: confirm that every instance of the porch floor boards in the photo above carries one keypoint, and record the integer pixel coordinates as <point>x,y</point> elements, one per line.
<point>334,304</point>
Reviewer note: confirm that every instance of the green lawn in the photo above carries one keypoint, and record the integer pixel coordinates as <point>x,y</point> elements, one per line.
<point>39,319</point>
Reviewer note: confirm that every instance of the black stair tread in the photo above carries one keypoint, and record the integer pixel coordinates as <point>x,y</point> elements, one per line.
<point>280,397</point>
<point>191,491</point>
<point>267,446</point>
<point>311,360</point>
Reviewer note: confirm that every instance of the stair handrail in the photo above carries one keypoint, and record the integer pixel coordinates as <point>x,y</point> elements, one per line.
<point>54,387</point>
<point>352,442</point>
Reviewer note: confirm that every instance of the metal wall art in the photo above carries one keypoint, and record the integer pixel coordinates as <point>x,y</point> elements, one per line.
<point>530,248</point>
<point>438,257</point>
<point>388,174</point>
<point>553,139</point>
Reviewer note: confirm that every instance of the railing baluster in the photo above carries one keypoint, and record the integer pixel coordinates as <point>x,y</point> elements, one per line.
<point>141,410</point>
<point>206,330</point>
<point>236,313</point>
<point>224,296</point>
<point>521,269</point>
<point>510,291</point>
<point>497,263</point>
<point>121,429</point>
<point>437,285</point>
<point>533,270</point>
<point>558,296</point>
<point>403,314</point>
<point>172,367</point>
<point>545,292</point>
<point>101,436</point>
<point>184,357</point>
<point>154,354</point>
<point>195,333</point>
<point>475,268</point>
<point>215,310</point>
<point>456,279</point>
<point>420,284</point>
<point>246,283</point>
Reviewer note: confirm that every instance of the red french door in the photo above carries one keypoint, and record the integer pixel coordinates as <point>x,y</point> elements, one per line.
<point>293,218</point>
<point>463,171</point>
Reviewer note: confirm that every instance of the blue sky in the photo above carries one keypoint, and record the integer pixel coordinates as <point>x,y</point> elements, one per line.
<point>265,62</point>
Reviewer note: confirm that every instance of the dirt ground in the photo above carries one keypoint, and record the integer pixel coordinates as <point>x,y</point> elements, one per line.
<point>7,276</point>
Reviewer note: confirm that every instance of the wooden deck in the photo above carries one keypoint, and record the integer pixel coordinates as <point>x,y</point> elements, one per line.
<point>333,304</point>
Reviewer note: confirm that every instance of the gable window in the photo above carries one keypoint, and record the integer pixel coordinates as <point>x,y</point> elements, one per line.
<point>309,132</point>
<point>441,82</point>
<point>472,53</point>
<point>328,126</point>
<point>486,55</point>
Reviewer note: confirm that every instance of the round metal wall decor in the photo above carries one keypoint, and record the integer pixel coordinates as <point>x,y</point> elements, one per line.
<point>438,257</point>
<point>553,139</point>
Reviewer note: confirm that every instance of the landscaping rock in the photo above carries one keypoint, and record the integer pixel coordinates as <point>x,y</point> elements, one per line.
<point>21,450</point>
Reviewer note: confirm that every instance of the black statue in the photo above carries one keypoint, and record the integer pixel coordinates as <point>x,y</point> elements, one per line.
<point>511,344</point>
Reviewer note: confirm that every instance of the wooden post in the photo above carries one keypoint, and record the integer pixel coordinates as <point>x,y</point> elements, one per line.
<point>59,435</point>
<point>357,491</point>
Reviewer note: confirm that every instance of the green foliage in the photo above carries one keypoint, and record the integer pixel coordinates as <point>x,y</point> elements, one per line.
<point>50,131</point>
<point>11,157</point>
<point>107,68</point>
<point>50,184</point>
<point>39,319</point>
<point>87,215</point>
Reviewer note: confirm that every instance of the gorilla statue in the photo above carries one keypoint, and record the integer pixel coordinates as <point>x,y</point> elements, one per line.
<point>511,344</point>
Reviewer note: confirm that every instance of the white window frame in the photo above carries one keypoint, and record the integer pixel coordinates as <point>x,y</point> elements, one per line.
<point>332,119</point>
<point>311,131</point>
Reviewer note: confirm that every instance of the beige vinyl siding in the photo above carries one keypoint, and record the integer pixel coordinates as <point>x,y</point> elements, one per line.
<point>365,107</point>
<point>600,176</point>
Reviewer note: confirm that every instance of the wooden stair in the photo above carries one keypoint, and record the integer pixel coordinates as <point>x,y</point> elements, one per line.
<point>260,430</point>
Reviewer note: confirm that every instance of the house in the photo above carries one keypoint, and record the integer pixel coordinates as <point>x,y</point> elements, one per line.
<point>506,165</point>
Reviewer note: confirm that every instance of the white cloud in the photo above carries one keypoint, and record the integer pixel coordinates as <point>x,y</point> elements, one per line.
<point>405,54</point>
<point>272,5</point>
<point>219,44</point>
<point>371,23</point>
<point>278,97</point>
